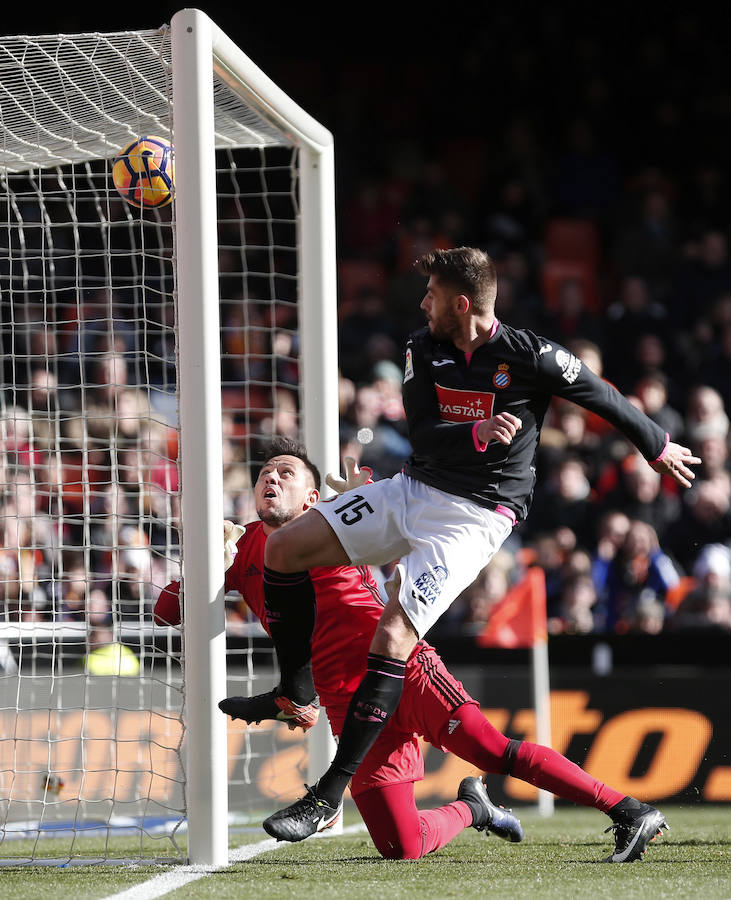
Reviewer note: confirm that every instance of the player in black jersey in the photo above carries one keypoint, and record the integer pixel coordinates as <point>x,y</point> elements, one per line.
<point>475,393</point>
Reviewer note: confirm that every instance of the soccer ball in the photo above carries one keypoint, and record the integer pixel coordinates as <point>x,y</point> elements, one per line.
<point>144,172</point>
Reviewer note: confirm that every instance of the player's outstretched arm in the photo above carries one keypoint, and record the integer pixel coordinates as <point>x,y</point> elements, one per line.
<point>354,477</point>
<point>167,605</point>
<point>675,461</point>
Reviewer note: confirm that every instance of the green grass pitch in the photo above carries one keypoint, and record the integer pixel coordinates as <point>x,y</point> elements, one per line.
<point>561,857</point>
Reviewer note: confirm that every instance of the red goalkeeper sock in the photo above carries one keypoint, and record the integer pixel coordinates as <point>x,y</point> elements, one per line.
<point>549,770</point>
<point>478,742</point>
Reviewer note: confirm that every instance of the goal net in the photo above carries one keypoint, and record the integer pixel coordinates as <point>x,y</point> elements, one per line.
<point>147,355</point>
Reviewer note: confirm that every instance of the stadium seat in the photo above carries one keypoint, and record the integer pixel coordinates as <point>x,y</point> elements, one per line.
<point>554,272</point>
<point>255,401</point>
<point>463,163</point>
<point>355,276</point>
<point>573,240</point>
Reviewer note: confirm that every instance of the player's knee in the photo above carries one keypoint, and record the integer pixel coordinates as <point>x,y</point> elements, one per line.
<point>401,849</point>
<point>394,639</point>
<point>395,636</point>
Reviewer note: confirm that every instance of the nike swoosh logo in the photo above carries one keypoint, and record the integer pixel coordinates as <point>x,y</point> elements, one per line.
<point>546,348</point>
<point>442,362</point>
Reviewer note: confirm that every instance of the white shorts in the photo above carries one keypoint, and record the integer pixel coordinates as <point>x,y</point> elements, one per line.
<point>441,542</point>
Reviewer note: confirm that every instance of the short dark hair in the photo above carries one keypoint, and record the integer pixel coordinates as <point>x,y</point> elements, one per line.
<point>284,446</point>
<point>468,270</point>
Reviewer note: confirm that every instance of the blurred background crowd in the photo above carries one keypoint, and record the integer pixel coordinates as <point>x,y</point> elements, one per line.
<point>602,193</point>
<point>598,180</point>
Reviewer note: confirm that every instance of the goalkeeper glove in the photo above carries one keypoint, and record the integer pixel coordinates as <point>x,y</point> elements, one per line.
<point>231,536</point>
<point>167,606</point>
<point>354,477</point>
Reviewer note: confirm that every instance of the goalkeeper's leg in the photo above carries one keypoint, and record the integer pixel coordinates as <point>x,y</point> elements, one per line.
<point>290,616</point>
<point>371,706</point>
<point>289,596</point>
<point>401,831</point>
<point>475,740</point>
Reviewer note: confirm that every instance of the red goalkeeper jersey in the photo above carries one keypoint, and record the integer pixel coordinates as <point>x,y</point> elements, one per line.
<point>348,608</point>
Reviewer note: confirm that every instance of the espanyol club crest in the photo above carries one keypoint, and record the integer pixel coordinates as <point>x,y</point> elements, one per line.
<point>501,378</point>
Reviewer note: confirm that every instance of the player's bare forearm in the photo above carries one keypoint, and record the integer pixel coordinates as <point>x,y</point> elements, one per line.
<point>675,462</point>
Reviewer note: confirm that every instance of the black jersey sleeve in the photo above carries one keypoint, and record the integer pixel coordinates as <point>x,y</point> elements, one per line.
<point>564,375</point>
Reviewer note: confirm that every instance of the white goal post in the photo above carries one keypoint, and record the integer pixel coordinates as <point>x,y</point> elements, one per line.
<point>175,311</point>
<point>197,42</point>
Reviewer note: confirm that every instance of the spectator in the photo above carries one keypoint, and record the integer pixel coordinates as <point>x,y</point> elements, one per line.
<point>714,368</point>
<point>651,391</point>
<point>546,551</point>
<point>370,217</point>
<point>704,518</point>
<point>474,607</point>
<point>108,656</point>
<point>705,414</point>
<point>134,577</point>
<point>563,500</point>
<point>366,322</point>
<point>708,604</point>
<point>567,433</point>
<point>649,246</point>
<point>572,319</point>
<point>575,610</point>
<point>370,438</point>
<point>633,314</point>
<point>611,535</point>
<point>519,300</point>
<point>714,451</point>
<point>641,496</point>
<point>72,603</point>
<point>649,355</point>
<point>641,572</point>
<point>649,614</point>
<point>705,276</point>
<point>386,379</point>
<point>284,419</point>
<point>587,179</point>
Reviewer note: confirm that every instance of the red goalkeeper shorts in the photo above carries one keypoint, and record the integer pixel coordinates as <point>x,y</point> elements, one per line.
<point>431,695</point>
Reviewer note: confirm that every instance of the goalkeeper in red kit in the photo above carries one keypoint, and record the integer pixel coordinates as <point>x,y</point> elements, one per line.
<point>434,705</point>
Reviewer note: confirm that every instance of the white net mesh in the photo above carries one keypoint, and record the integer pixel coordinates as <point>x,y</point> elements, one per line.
<point>78,98</point>
<point>92,701</point>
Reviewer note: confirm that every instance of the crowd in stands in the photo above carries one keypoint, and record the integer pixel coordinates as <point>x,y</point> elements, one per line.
<point>622,257</point>
<point>611,239</point>
<point>622,548</point>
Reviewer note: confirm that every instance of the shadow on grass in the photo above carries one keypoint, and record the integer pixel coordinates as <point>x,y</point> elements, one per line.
<point>319,862</point>
<point>653,861</point>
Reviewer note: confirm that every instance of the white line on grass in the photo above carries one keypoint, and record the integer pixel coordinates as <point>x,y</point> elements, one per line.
<point>182,875</point>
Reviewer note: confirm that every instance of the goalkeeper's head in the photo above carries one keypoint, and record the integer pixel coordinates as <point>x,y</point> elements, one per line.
<point>288,483</point>
<point>284,446</point>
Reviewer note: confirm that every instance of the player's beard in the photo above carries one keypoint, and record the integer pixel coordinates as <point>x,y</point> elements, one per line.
<point>276,517</point>
<point>445,327</point>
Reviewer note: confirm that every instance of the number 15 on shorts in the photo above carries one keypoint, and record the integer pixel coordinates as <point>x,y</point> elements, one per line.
<point>353,510</point>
